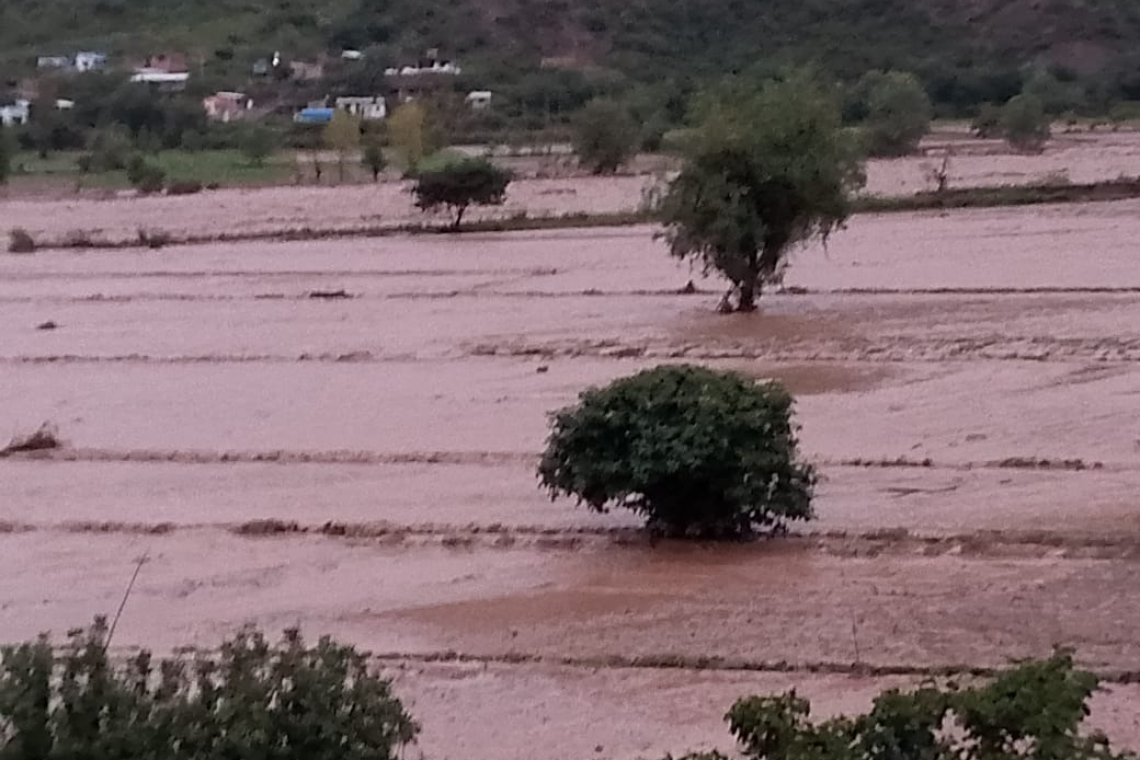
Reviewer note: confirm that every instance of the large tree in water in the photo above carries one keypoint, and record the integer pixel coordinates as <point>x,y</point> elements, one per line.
<point>766,169</point>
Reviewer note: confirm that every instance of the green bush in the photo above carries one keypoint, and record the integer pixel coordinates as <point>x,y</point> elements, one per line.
<point>145,177</point>
<point>1032,711</point>
<point>898,113</point>
<point>698,452</point>
<point>1024,124</point>
<point>605,137</point>
<point>987,123</point>
<point>7,150</point>
<point>286,701</point>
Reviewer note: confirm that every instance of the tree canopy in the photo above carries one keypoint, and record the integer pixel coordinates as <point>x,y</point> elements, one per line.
<point>898,113</point>
<point>766,169</point>
<point>694,450</point>
<point>1024,124</point>
<point>458,183</point>
<point>605,136</point>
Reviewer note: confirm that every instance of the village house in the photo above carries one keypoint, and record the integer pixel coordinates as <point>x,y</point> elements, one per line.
<point>366,108</point>
<point>227,106</point>
<point>87,60</point>
<point>478,100</point>
<point>167,72</point>
<point>53,62</point>
<point>16,113</point>
<point>305,71</point>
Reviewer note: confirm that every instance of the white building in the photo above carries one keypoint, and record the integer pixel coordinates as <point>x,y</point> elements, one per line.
<point>368,109</point>
<point>479,99</point>
<point>89,61</point>
<point>15,114</point>
<point>436,67</point>
<point>165,80</point>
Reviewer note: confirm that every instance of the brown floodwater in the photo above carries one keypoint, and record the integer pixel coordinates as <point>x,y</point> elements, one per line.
<point>966,383</point>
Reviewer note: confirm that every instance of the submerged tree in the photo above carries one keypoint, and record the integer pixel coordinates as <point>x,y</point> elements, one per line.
<point>766,170</point>
<point>1024,123</point>
<point>898,113</point>
<point>342,135</point>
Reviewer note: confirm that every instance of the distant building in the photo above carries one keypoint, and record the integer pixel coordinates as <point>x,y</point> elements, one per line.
<point>313,115</point>
<point>90,61</point>
<point>351,55</point>
<point>303,71</point>
<point>53,62</point>
<point>479,99</point>
<point>261,67</point>
<point>170,63</point>
<point>227,106</point>
<point>15,114</point>
<point>63,104</point>
<point>369,109</point>
<point>167,81</point>
<point>434,67</point>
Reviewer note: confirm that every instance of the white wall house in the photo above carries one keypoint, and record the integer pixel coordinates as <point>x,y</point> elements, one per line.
<point>369,109</point>
<point>90,61</point>
<point>15,114</point>
<point>479,99</point>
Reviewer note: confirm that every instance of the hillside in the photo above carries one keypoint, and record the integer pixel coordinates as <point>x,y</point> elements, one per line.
<point>951,43</point>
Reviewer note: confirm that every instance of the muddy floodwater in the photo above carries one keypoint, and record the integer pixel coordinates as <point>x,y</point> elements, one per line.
<point>364,465</point>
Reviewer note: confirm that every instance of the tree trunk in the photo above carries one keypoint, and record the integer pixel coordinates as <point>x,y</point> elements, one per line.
<point>747,296</point>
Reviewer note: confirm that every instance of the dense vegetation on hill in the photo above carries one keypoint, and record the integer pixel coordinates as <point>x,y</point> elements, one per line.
<point>963,50</point>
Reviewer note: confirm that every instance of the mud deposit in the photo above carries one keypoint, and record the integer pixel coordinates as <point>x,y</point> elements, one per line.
<point>363,466</point>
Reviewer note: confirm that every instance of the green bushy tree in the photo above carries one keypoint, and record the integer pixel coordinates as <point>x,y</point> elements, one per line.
<point>1024,123</point>
<point>287,701</point>
<point>898,113</point>
<point>765,170</point>
<point>458,183</point>
<point>695,451</point>
<point>1032,711</point>
<point>373,157</point>
<point>605,136</point>
<point>144,176</point>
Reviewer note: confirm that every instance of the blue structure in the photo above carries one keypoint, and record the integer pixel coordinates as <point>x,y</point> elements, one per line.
<point>314,116</point>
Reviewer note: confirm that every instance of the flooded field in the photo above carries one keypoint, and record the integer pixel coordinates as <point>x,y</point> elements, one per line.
<point>1079,158</point>
<point>364,465</point>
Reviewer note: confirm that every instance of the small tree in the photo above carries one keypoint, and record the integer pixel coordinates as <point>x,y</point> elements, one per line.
<point>373,158</point>
<point>898,113</point>
<point>605,136</point>
<point>765,171</point>
<point>460,183</point>
<point>343,136</point>
<point>409,133</point>
<point>257,144</point>
<point>694,450</point>
<point>1024,124</point>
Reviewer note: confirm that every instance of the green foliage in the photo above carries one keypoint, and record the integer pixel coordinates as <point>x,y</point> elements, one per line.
<point>460,183</point>
<point>110,150</point>
<point>605,136</point>
<point>342,135</point>
<point>1024,124</point>
<point>987,123</point>
<point>7,151</point>
<point>695,451</point>
<point>258,143</point>
<point>766,170</point>
<point>898,113</point>
<point>373,158</point>
<point>287,701</point>
<point>144,176</point>
<point>1032,711</point>
<point>411,135</point>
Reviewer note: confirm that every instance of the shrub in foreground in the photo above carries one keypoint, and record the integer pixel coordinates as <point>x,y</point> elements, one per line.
<point>1024,123</point>
<point>286,701</point>
<point>698,452</point>
<point>1032,711</point>
<point>605,137</point>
